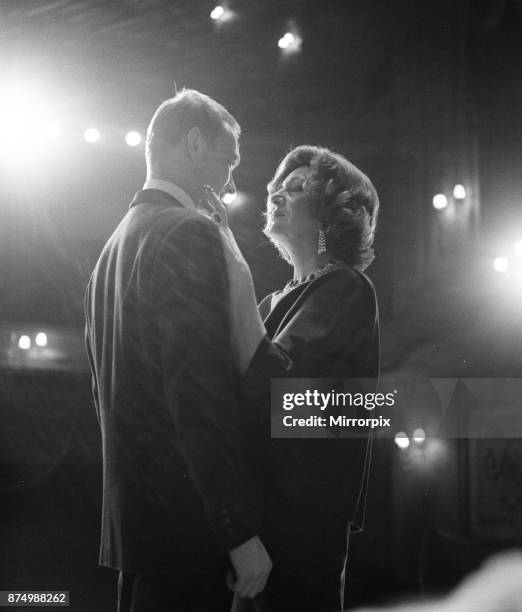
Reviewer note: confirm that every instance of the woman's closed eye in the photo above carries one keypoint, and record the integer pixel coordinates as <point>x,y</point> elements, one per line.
<point>294,186</point>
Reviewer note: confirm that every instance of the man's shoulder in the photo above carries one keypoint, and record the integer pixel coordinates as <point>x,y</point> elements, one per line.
<point>175,234</point>
<point>147,230</point>
<point>151,223</point>
<point>149,211</point>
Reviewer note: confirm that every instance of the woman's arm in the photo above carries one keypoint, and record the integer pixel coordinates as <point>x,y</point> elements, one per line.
<point>247,326</point>
<point>331,330</point>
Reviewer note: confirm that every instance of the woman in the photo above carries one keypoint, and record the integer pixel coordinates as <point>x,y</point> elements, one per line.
<point>321,216</point>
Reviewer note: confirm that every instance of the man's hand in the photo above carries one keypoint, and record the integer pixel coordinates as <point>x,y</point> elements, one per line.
<point>252,566</point>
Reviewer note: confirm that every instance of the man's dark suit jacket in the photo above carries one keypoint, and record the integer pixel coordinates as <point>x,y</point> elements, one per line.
<point>326,328</point>
<point>175,489</point>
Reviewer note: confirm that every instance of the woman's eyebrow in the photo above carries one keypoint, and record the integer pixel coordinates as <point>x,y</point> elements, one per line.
<point>273,187</point>
<point>301,179</point>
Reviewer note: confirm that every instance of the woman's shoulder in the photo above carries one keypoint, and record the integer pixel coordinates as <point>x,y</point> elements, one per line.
<point>343,281</point>
<point>345,289</point>
<point>344,276</point>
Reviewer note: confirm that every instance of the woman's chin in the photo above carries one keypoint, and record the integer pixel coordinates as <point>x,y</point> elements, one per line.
<point>275,229</point>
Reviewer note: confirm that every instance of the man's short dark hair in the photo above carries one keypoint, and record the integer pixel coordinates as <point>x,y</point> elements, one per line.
<point>176,116</point>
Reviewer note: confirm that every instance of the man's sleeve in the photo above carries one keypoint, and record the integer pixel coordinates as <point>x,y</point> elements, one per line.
<point>88,348</point>
<point>189,293</point>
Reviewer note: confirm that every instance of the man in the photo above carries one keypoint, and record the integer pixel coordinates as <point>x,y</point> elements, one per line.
<point>178,506</point>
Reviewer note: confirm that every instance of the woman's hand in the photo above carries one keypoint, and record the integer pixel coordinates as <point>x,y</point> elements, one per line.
<point>246,323</point>
<point>215,206</point>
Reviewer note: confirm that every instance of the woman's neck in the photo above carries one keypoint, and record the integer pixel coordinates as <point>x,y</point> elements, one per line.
<point>306,263</point>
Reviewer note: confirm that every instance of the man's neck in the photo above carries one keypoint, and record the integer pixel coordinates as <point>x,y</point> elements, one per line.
<point>180,181</point>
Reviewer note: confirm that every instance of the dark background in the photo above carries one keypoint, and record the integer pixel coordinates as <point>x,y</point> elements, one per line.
<point>420,95</point>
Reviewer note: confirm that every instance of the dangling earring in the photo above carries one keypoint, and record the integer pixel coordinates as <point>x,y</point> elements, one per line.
<point>321,242</point>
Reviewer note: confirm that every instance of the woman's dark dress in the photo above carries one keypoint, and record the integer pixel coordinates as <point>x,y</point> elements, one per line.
<point>314,489</point>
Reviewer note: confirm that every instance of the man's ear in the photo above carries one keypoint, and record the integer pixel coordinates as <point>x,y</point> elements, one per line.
<point>195,143</point>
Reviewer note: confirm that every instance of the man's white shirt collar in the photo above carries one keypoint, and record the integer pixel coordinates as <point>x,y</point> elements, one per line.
<point>173,190</point>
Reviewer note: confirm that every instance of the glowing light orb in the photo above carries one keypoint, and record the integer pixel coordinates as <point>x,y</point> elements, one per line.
<point>228,198</point>
<point>54,131</point>
<point>459,192</point>
<point>217,13</point>
<point>440,201</point>
<point>133,139</point>
<point>41,339</point>
<point>402,440</point>
<point>290,42</point>
<point>287,40</point>
<point>501,264</point>
<point>419,435</point>
<point>24,342</point>
<point>25,112</point>
<point>92,135</point>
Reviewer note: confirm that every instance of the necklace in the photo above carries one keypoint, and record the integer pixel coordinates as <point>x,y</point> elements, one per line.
<point>292,284</point>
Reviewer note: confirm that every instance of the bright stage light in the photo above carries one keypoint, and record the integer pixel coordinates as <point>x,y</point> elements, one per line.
<point>402,440</point>
<point>501,264</point>
<point>24,342</point>
<point>228,198</point>
<point>92,135</point>
<point>440,201</point>
<point>25,113</point>
<point>41,339</point>
<point>54,131</point>
<point>217,13</point>
<point>419,435</point>
<point>289,42</point>
<point>459,192</point>
<point>236,200</point>
<point>286,40</point>
<point>133,139</point>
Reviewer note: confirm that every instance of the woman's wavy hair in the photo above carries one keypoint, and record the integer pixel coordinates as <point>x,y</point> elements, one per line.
<point>346,202</point>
